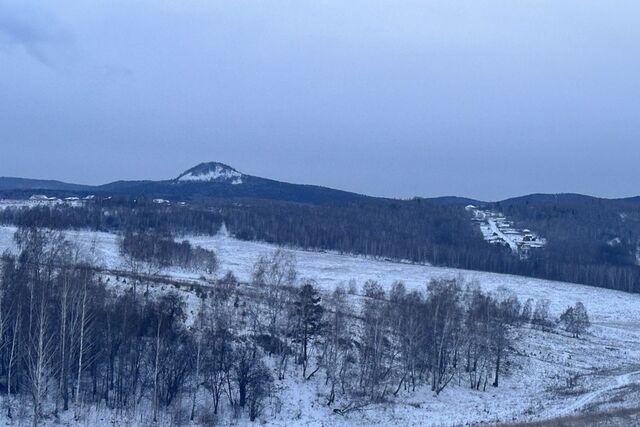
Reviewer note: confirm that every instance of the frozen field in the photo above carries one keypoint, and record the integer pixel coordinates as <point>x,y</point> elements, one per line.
<point>331,269</point>
<point>607,362</point>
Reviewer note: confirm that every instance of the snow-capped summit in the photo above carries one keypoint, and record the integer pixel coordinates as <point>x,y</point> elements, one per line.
<point>212,172</point>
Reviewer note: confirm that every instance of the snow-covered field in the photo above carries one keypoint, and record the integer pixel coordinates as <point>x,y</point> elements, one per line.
<point>607,362</point>
<point>332,269</point>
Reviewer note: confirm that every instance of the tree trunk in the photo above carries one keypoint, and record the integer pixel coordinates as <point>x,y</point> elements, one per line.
<point>63,345</point>
<point>155,375</point>
<point>495,383</point>
<point>14,339</point>
<point>81,349</point>
<point>242,389</point>
<point>197,380</point>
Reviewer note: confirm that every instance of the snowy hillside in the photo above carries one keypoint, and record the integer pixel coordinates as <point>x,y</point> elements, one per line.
<point>604,364</point>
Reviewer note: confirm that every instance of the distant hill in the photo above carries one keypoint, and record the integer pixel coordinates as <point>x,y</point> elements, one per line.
<point>455,201</point>
<point>211,180</point>
<point>8,183</point>
<point>540,201</point>
<point>215,180</point>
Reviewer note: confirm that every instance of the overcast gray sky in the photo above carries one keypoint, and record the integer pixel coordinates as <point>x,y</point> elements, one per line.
<point>485,99</point>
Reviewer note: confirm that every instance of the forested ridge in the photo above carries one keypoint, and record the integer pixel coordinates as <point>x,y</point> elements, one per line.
<point>589,241</point>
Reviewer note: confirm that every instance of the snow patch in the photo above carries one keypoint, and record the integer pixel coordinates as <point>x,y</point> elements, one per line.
<point>614,242</point>
<point>39,200</point>
<point>212,173</point>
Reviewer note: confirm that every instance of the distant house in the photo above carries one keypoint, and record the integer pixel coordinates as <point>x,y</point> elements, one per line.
<point>41,197</point>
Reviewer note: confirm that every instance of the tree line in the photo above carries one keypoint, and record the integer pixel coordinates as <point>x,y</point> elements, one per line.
<point>160,252</point>
<point>589,240</point>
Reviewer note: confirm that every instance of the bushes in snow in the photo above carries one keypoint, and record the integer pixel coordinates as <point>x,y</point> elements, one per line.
<point>153,249</point>
<point>575,320</point>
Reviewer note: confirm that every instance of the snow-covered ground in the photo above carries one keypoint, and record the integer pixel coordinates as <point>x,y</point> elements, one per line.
<point>39,200</point>
<point>544,361</point>
<point>606,363</point>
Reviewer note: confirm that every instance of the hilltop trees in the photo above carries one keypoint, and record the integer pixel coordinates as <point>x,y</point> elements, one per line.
<point>307,313</point>
<point>443,329</point>
<point>337,356</point>
<point>541,316</point>
<point>375,343</point>
<point>44,320</point>
<point>251,377</point>
<point>275,275</point>
<point>575,320</point>
<point>160,252</point>
<point>218,362</point>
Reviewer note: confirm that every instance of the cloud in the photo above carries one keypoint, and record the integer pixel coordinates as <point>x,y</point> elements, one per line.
<point>33,30</point>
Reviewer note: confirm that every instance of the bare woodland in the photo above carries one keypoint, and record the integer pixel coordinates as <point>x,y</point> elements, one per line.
<point>70,342</point>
